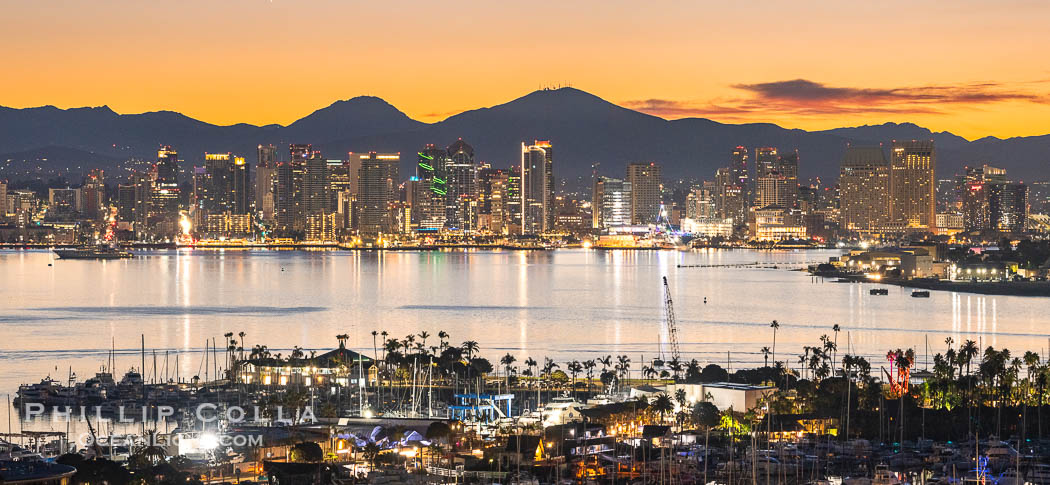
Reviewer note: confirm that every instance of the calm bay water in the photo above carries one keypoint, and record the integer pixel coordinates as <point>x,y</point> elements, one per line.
<point>568,304</point>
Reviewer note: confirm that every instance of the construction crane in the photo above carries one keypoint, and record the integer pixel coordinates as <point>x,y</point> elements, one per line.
<point>672,329</point>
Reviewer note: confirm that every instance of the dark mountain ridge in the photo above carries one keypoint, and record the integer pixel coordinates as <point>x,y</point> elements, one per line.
<point>584,129</point>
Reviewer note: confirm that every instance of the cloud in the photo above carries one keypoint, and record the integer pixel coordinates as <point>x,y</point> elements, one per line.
<point>802,97</point>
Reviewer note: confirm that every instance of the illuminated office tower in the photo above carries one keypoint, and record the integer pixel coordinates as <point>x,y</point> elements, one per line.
<point>864,184</point>
<point>461,183</point>
<point>316,185</point>
<point>611,203</point>
<point>513,216</point>
<point>3,200</point>
<point>64,202</point>
<point>646,192</point>
<point>93,195</point>
<point>730,198</point>
<point>765,162</point>
<point>990,202</point>
<point>493,184</point>
<point>738,170</point>
<point>164,199</point>
<point>430,194</point>
<point>537,187</point>
<point>134,200</point>
<point>264,181</point>
<point>378,191</point>
<point>299,152</point>
<point>289,212</point>
<point>912,184</point>
<point>338,182</point>
<point>700,202</point>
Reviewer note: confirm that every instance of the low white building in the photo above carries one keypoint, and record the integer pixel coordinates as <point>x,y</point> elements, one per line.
<point>724,395</point>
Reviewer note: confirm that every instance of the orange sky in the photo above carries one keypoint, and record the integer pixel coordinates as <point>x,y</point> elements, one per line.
<point>973,68</point>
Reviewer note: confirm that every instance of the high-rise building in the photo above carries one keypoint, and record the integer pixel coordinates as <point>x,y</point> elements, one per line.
<point>513,216</point>
<point>738,170</point>
<point>461,178</point>
<point>378,191</point>
<point>646,192</point>
<point>537,187</point>
<point>3,199</point>
<point>265,175</point>
<point>765,162</point>
<point>990,202</point>
<point>730,198</point>
<point>493,185</point>
<point>700,202</point>
<point>222,185</point>
<point>317,197</point>
<point>430,195</point>
<point>93,195</point>
<point>864,183</point>
<point>611,203</point>
<point>299,152</point>
<point>289,212</point>
<point>63,203</point>
<point>1008,204</point>
<point>164,203</point>
<point>912,184</point>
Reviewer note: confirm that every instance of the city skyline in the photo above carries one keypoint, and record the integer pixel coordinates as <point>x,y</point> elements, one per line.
<point>943,84</point>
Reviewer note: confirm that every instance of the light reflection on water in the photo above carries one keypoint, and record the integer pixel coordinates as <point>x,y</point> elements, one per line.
<point>574,304</point>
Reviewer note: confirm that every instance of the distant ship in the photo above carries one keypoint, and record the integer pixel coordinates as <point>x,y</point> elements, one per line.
<point>93,252</point>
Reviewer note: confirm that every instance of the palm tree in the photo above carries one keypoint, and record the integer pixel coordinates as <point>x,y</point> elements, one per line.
<point>506,361</point>
<point>531,364</point>
<point>662,405</point>
<point>574,370</point>
<point>589,365</point>
<point>375,348</point>
<point>834,351</point>
<point>241,335</point>
<point>775,326</point>
<point>443,337</point>
<point>470,347</point>
<point>624,365</point>
<point>423,336</point>
<point>765,355</point>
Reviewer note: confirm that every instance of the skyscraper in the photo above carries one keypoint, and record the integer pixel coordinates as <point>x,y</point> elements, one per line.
<point>611,203</point>
<point>429,202</point>
<point>264,181</point>
<point>913,202</point>
<point>646,192</point>
<point>288,201</point>
<point>990,202</point>
<point>738,170</point>
<point>461,173</point>
<point>864,182</point>
<point>164,202</point>
<point>93,195</point>
<point>492,198</point>
<point>537,187</point>
<point>316,185</point>
<point>377,191</point>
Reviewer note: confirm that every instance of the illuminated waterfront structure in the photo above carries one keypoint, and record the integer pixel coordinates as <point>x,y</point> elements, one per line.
<point>537,187</point>
<point>646,192</point>
<point>377,191</point>
<point>864,181</point>
<point>912,184</point>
